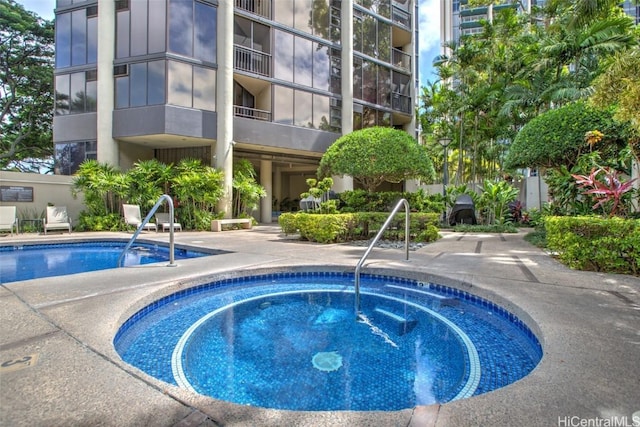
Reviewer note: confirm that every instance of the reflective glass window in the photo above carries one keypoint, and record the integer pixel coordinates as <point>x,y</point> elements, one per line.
<point>283,56</point>
<point>79,37</point>
<point>303,14</point>
<point>321,112</point>
<point>181,26</point>
<point>369,117</point>
<point>138,10</point>
<point>179,82</point>
<point>122,34</point>
<point>122,92</point>
<point>157,29</point>
<point>357,34</point>
<point>369,82</point>
<point>384,118</point>
<point>303,60</point>
<point>155,82</point>
<point>92,40</point>
<point>321,67</point>
<point>205,32</point>
<point>138,84</point>
<point>303,109</point>
<point>204,88</point>
<point>384,86</point>
<point>62,95</point>
<point>321,17</point>
<point>92,97</point>
<point>369,34</point>
<point>283,11</point>
<point>357,78</point>
<point>357,120</point>
<point>261,38</point>
<point>63,40</point>
<point>282,105</point>
<point>384,41</point>
<point>77,93</point>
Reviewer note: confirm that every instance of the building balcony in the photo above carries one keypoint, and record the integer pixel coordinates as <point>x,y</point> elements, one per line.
<point>401,17</point>
<point>401,59</point>
<point>251,113</point>
<point>257,7</point>
<point>401,103</point>
<point>252,61</point>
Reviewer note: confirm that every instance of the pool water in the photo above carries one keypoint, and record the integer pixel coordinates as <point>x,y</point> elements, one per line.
<point>24,262</point>
<point>291,341</point>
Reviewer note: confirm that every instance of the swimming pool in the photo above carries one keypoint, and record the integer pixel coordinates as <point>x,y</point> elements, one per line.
<point>34,261</point>
<point>291,341</point>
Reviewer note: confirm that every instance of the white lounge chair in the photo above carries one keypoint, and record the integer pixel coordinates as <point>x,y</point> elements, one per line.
<point>133,217</point>
<point>163,221</point>
<point>8,218</point>
<point>57,219</point>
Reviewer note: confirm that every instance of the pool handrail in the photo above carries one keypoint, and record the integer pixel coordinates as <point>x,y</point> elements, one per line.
<point>375,240</point>
<point>169,200</point>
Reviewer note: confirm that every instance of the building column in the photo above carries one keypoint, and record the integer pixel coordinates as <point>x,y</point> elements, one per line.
<point>107,146</point>
<point>345,183</point>
<point>277,186</point>
<point>223,149</point>
<point>266,181</point>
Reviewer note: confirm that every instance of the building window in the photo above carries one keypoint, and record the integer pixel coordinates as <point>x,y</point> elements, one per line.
<point>76,38</point>
<point>76,93</point>
<point>192,29</point>
<point>317,17</point>
<point>305,62</point>
<point>304,109</point>
<point>191,86</point>
<point>379,7</point>
<point>69,156</point>
<point>371,36</point>
<point>140,84</point>
<point>140,28</point>
<point>365,117</point>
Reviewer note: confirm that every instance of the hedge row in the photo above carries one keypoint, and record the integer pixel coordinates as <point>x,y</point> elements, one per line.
<point>590,243</point>
<point>332,228</point>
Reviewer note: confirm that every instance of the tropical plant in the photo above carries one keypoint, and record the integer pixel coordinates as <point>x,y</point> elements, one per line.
<point>495,199</point>
<point>197,189</point>
<point>375,155</point>
<point>103,187</point>
<point>557,138</point>
<point>607,190</point>
<point>246,191</point>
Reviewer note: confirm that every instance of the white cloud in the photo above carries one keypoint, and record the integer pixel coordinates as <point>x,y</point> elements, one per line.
<point>429,33</point>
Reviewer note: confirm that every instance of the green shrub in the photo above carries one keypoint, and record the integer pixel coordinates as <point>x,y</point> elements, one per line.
<point>351,226</point>
<point>108,222</point>
<point>609,245</point>
<point>361,201</point>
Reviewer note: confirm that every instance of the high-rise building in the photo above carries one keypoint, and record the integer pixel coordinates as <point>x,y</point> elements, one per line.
<point>272,81</point>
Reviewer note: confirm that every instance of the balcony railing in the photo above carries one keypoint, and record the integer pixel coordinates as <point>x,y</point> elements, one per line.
<point>401,59</point>
<point>401,102</point>
<point>252,61</point>
<point>257,7</point>
<point>400,17</point>
<point>251,113</point>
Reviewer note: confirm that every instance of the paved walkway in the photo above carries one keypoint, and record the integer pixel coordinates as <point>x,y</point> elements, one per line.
<point>59,366</point>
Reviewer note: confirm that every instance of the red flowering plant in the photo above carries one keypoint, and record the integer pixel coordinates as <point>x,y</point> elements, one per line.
<point>607,189</point>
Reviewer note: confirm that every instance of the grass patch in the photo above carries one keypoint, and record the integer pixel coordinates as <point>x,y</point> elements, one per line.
<point>537,238</point>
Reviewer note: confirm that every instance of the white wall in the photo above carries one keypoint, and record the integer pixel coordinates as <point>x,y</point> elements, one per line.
<point>47,190</point>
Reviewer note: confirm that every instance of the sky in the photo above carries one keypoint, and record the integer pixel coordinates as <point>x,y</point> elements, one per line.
<point>429,30</point>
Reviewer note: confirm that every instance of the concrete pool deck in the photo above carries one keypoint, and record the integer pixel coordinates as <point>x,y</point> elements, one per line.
<point>59,367</point>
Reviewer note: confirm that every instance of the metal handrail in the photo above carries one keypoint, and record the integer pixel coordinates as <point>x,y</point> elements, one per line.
<point>375,240</point>
<point>145,221</point>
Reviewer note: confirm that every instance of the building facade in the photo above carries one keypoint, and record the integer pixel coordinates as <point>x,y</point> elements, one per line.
<point>272,81</point>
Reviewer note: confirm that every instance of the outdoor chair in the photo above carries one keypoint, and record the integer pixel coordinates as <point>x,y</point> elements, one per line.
<point>163,221</point>
<point>8,218</point>
<point>57,219</point>
<point>132,217</point>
